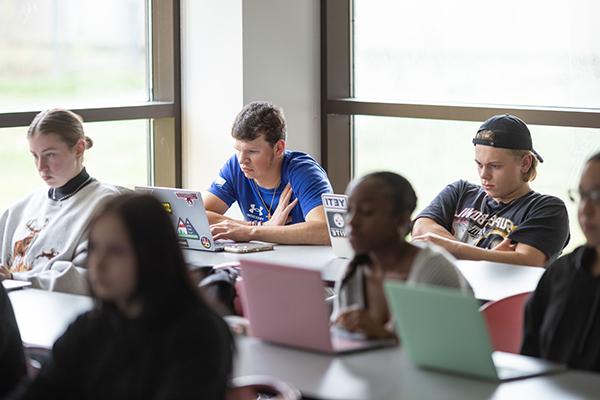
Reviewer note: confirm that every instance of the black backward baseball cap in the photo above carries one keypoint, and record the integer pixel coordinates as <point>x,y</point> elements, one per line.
<point>507,132</point>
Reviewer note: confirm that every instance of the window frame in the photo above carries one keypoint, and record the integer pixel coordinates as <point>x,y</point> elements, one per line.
<point>339,106</point>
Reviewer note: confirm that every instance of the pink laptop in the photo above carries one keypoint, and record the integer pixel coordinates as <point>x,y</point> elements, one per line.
<point>286,305</point>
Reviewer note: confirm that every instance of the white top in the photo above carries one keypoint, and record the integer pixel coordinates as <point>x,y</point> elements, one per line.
<point>45,241</point>
<point>432,266</point>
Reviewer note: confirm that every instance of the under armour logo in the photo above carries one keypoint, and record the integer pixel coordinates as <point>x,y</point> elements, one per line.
<point>258,210</point>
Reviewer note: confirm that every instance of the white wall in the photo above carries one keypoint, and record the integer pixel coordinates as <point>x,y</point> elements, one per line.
<point>282,64</point>
<point>236,51</point>
<point>211,85</point>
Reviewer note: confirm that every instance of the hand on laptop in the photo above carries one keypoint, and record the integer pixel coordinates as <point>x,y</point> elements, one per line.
<point>359,320</point>
<point>281,215</point>
<point>238,231</point>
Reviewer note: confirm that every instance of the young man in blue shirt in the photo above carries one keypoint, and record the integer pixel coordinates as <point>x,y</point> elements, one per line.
<point>278,191</point>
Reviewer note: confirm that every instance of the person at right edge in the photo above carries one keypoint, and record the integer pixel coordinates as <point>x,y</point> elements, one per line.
<point>562,321</point>
<point>503,219</point>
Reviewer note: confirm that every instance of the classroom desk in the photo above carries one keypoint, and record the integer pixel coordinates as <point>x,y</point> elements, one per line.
<point>382,374</point>
<point>490,280</point>
<point>312,257</point>
<point>493,281</point>
<point>388,374</point>
<point>43,316</point>
<point>37,310</point>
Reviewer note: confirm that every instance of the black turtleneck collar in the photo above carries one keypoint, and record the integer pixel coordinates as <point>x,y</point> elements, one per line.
<point>71,187</point>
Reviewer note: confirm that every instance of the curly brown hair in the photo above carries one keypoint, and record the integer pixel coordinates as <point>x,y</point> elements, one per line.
<point>260,118</point>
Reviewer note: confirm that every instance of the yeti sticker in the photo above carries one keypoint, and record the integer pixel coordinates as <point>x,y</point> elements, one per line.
<point>337,224</point>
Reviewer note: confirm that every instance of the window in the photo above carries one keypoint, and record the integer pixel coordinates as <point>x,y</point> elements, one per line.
<point>423,158</point>
<point>71,51</point>
<point>119,156</point>
<point>405,88</point>
<point>494,52</point>
<point>113,62</point>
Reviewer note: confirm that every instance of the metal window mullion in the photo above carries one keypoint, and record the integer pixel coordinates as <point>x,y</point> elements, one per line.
<point>336,81</point>
<point>554,116</point>
<point>157,109</point>
<point>166,86</point>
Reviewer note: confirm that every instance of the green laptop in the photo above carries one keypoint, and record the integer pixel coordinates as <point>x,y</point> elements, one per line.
<point>441,328</point>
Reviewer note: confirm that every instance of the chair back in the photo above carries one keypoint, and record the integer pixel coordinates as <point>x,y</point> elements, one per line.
<point>504,319</point>
<point>257,387</point>
<point>35,356</point>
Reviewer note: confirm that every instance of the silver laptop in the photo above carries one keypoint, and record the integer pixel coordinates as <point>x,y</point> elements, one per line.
<point>335,207</point>
<point>441,328</point>
<point>285,305</point>
<point>188,214</point>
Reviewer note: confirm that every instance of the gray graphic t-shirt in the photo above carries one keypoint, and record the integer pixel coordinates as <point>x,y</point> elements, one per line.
<point>473,217</point>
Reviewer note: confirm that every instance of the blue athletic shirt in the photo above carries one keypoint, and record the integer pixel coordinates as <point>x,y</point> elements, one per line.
<point>307,178</point>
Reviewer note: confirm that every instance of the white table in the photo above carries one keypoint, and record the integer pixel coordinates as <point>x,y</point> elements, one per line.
<point>490,280</point>
<point>382,374</point>
<point>493,281</point>
<point>43,316</point>
<point>313,257</point>
<point>388,374</point>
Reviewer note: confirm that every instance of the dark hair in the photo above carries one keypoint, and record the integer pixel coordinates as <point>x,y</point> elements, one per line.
<point>164,285</point>
<point>404,200</point>
<point>64,123</point>
<point>398,188</point>
<point>595,157</point>
<point>260,118</point>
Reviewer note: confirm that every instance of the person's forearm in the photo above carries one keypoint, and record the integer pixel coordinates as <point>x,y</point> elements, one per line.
<point>469,252</point>
<point>310,232</point>
<point>214,217</point>
<point>426,225</point>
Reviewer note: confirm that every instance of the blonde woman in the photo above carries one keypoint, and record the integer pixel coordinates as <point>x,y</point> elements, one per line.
<point>42,237</point>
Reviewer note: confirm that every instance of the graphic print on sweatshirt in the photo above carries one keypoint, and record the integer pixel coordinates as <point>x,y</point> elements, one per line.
<point>479,229</point>
<point>18,261</point>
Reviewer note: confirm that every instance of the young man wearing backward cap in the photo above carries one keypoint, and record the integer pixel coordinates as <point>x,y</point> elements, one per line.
<point>503,219</point>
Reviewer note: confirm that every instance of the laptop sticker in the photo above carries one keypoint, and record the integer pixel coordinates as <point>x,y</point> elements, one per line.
<point>167,207</point>
<point>337,224</point>
<point>336,202</point>
<point>189,198</point>
<point>205,242</point>
<point>186,230</point>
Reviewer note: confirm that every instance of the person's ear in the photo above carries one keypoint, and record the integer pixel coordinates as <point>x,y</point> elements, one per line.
<point>403,225</point>
<point>526,163</point>
<point>80,147</point>
<point>280,147</point>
